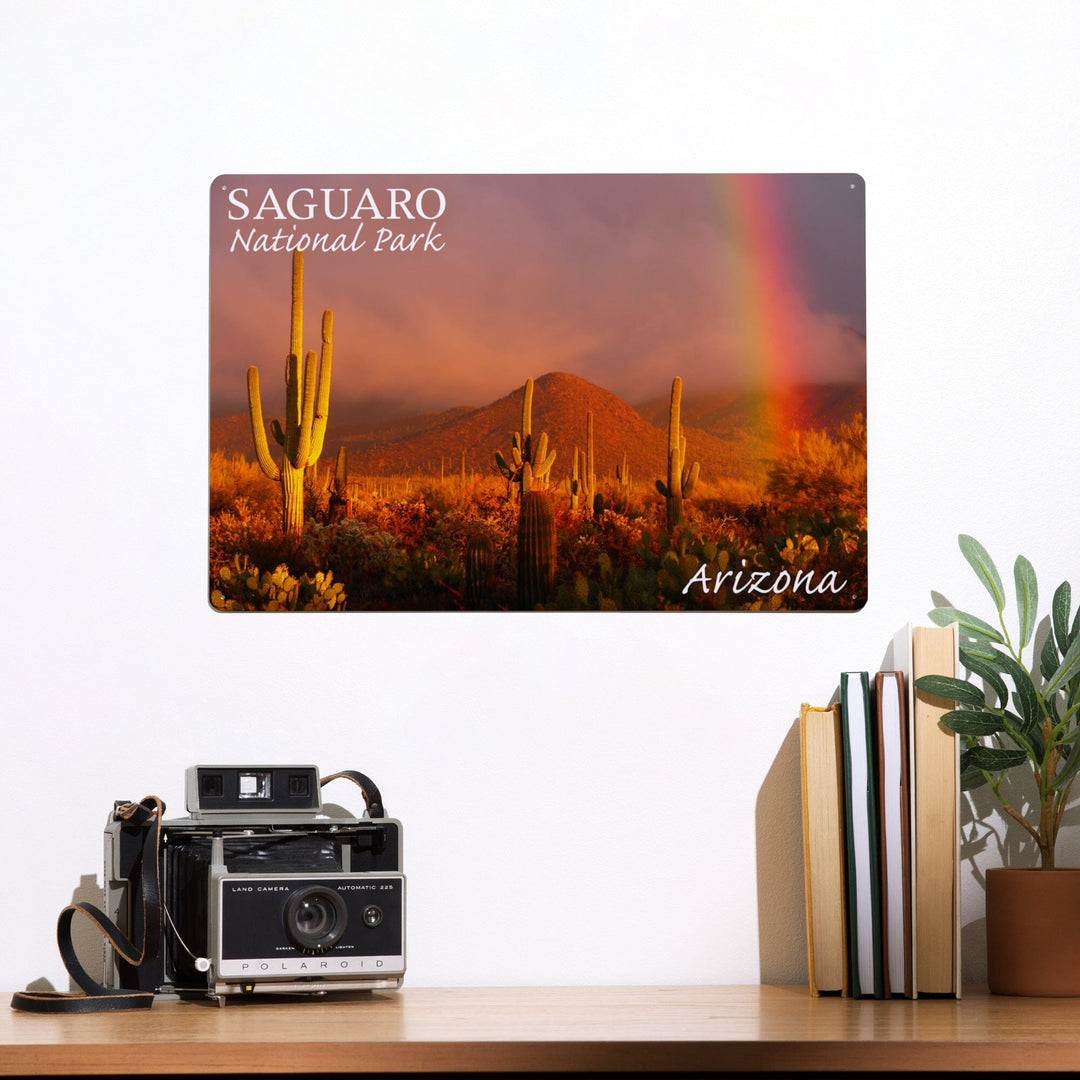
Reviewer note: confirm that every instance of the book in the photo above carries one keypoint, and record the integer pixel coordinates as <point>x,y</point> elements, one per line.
<point>934,759</point>
<point>894,809</point>
<point>823,848</point>
<point>901,662</point>
<point>865,974</point>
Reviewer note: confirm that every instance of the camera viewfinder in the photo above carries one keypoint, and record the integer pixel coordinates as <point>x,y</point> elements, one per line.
<point>211,785</point>
<point>254,785</point>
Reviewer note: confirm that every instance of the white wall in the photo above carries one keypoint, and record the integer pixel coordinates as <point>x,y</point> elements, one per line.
<point>586,799</point>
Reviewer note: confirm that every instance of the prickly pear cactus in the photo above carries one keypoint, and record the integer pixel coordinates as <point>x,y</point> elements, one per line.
<point>536,550</point>
<point>243,588</point>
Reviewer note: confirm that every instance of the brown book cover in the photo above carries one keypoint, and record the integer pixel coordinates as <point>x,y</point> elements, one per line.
<point>894,810</point>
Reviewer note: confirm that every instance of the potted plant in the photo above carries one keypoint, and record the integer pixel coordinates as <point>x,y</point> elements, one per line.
<point>1023,714</point>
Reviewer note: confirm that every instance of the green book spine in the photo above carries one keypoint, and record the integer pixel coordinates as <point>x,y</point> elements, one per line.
<point>863,871</point>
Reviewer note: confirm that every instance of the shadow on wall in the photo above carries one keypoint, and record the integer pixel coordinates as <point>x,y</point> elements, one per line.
<point>988,838</point>
<point>780,890</point>
<point>86,938</point>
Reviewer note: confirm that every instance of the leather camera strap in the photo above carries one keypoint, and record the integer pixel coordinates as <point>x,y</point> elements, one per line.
<point>372,798</point>
<point>146,815</point>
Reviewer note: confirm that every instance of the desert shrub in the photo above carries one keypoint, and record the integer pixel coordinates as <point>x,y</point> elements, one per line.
<point>447,495</point>
<point>822,472</point>
<point>245,528</point>
<point>726,498</point>
<point>233,477</point>
<point>362,557</point>
<point>317,489</point>
<point>403,545</point>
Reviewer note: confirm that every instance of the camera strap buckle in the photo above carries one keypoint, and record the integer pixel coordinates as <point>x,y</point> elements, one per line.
<point>146,815</point>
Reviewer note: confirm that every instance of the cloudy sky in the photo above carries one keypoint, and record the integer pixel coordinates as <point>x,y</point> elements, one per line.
<point>625,280</point>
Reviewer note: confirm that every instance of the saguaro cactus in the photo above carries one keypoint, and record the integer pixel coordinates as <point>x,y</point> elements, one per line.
<point>536,549</point>
<point>338,487</point>
<point>588,459</point>
<point>572,485</point>
<point>620,499</point>
<point>479,566</point>
<point>680,478</point>
<point>524,452</point>
<point>341,470</point>
<point>307,403</point>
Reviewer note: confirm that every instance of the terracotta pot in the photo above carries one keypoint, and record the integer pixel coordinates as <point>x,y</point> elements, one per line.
<point>1033,932</point>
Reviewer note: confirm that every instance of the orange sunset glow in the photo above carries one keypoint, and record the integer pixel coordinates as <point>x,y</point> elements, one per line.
<point>451,293</point>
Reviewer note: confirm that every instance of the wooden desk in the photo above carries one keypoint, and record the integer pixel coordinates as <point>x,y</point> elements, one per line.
<point>720,1029</point>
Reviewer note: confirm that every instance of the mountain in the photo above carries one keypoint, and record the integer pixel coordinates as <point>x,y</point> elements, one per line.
<point>561,403</point>
<point>720,431</point>
<point>232,435</point>
<point>808,406</point>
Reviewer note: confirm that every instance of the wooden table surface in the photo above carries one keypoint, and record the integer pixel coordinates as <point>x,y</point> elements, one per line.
<point>735,1029</point>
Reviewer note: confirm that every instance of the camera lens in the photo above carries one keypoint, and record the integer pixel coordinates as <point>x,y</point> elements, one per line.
<point>315,918</point>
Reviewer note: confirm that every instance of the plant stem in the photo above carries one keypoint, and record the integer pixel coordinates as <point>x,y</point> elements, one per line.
<point>1018,817</point>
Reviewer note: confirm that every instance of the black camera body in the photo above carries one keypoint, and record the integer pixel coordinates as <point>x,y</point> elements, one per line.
<point>263,889</point>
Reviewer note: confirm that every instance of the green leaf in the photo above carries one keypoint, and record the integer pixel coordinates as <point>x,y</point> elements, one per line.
<point>1067,773</point>
<point>951,689</point>
<point>994,658</point>
<point>1070,664</point>
<point>988,674</point>
<point>984,567</point>
<point>1013,730</point>
<point>1024,696</point>
<point>970,624</point>
<point>1048,658</point>
<point>983,650</point>
<point>967,722</point>
<point>1032,733</point>
<point>1027,597</point>
<point>1059,610</point>
<point>973,778</point>
<point>991,758</point>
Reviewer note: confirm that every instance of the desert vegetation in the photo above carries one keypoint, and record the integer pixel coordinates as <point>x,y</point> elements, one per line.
<point>512,533</point>
<point>723,522</point>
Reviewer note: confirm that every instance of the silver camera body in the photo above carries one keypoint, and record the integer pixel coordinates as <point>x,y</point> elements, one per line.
<point>264,889</point>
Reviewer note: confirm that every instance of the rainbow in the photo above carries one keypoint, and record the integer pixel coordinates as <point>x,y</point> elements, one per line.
<point>757,276</point>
